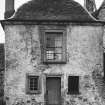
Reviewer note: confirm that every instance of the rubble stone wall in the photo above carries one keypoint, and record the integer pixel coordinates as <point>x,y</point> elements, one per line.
<point>84,59</point>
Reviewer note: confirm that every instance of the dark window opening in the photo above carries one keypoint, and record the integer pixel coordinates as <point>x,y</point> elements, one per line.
<point>73,85</point>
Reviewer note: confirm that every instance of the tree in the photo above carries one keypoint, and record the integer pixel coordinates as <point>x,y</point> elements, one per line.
<point>90,5</point>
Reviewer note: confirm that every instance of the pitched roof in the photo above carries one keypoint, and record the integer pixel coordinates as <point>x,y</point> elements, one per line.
<point>52,10</point>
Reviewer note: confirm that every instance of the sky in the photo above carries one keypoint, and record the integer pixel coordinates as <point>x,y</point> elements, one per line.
<point>19,3</point>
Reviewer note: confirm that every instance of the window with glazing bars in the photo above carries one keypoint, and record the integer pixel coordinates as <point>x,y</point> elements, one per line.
<point>32,84</point>
<point>54,46</point>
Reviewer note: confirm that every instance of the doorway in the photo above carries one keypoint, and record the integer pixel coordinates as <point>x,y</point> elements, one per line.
<point>53,90</point>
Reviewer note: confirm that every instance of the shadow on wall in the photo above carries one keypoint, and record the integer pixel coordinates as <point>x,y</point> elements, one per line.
<point>2,68</point>
<point>2,102</point>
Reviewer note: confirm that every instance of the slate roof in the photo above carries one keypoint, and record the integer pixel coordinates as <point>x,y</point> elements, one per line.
<point>52,10</point>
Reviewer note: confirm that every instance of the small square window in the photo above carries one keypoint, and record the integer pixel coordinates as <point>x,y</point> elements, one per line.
<point>73,85</point>
<point>54,46</point>
<point>32,84</point>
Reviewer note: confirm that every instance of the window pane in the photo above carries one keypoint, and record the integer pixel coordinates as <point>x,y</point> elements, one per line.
<point>58,50</point>
<point>58,57</point>
<point>58,41</point>
<point>50,42</point>
<point>50,55</point>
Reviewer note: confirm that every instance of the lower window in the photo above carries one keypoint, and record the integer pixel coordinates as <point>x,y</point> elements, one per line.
<point>73,85</point>
<point>32,84</point>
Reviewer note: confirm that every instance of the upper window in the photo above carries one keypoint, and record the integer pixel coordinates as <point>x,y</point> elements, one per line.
<point>54,46</point>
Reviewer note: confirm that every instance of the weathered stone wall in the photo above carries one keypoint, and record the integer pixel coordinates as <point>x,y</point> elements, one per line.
<point>101,16</point>
<point>84,57</point>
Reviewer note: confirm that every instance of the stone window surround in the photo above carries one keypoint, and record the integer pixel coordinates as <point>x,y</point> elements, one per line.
<point>28,91</point>
<point>53,28</point>
<point>54,41</point>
